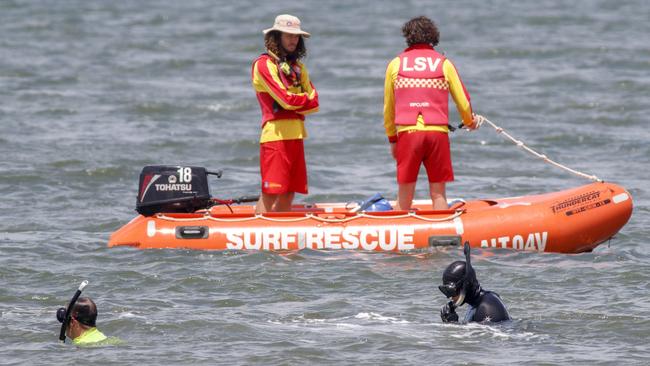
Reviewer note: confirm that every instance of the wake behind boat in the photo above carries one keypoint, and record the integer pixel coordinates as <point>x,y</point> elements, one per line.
<point>177,211</point>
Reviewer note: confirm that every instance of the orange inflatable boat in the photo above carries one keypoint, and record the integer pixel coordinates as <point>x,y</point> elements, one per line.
<point>571,221</point>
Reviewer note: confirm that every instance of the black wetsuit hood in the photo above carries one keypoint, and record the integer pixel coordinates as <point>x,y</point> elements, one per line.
<point>454,275</point>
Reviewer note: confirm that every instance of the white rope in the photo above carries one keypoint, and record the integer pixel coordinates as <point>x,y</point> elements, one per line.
<point>309,216</point>
<point>521,144</point>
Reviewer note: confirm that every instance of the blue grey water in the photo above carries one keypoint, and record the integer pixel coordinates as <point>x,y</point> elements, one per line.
<point>91,91</point>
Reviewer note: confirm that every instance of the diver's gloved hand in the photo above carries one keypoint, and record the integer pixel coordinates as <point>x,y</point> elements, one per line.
<point>448,313</point>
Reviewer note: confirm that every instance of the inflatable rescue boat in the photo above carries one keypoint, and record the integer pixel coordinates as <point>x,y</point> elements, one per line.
<point>177,211</point>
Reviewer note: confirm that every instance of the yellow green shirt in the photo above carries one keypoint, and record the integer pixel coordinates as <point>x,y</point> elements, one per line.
<point>92,335</point>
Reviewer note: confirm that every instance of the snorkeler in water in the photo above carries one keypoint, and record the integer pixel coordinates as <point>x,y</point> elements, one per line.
<point>78,320</point>
<point>460,285</point>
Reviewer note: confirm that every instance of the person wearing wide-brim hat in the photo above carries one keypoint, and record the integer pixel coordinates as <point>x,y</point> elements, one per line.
<point>286,94</point>
<point>287,24</point>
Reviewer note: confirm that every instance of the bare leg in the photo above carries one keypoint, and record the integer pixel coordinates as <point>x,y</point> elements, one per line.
<point>438,196</point>
<point>265,203</point>
<point>405,195</point>
<point>283,202</point>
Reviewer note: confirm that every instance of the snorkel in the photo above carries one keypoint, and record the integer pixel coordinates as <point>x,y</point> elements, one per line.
<point>468,269</point>
<point>64,314</point>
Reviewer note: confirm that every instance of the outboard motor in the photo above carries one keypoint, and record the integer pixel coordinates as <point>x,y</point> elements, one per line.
<point>166,188</point>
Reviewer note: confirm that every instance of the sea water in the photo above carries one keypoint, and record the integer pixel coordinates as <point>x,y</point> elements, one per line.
<point>92,91</point>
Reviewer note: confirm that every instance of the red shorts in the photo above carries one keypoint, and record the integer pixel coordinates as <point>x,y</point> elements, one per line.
<point>428,147</point>
<point>283,167</point>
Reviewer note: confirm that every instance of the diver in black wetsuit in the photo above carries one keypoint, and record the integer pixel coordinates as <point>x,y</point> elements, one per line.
<point>461,286</point>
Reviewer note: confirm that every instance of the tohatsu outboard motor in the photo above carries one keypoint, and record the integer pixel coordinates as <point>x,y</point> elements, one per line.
<point>165,188</point>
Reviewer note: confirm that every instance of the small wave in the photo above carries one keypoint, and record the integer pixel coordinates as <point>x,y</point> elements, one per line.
<point>129,315</point>
<point>105,172</point>
<point>318,318</point>
<point>65,163</point>
<point>18,74</point>
<point>228,107</point>
<point>149,20</point>
<point>180,63</point>
<point>505,331</point>
<point>379,317</point>
<point>37,297</point>
<point>155,108</point>
<point>54,112</point>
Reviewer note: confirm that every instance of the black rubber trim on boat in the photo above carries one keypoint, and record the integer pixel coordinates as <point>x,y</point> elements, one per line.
<point>192,232</point>
<point>445,240</point>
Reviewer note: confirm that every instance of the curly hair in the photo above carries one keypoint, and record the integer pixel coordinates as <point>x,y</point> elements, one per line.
<point>272,43</point>
<point>421,30</point>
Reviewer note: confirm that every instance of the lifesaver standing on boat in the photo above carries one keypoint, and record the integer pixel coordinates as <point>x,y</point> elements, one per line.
<point>416,96</point>
<point>285,94</point>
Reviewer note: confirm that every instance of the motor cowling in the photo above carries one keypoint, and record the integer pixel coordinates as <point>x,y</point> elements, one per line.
<point>165,188</point>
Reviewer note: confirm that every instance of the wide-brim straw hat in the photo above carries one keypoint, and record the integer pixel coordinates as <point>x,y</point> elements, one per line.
<point>287,24</point>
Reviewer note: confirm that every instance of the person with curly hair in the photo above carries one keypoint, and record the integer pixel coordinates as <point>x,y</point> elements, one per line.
<point>286,95</point>
<point>416,96</point>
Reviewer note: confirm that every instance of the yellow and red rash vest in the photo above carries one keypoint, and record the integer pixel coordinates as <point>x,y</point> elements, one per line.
<point>421,88</point>
<point>284,99</point>
<point>401,70</point>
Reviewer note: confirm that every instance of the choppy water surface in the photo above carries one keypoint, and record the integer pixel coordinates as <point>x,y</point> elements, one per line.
<point>91,91</point>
